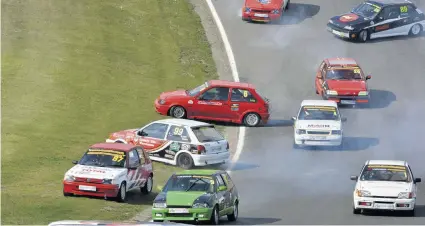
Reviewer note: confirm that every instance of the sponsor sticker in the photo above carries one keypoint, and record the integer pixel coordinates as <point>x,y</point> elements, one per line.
<point>348,17</point>
<point>318,126</point>
<point>190,102</point>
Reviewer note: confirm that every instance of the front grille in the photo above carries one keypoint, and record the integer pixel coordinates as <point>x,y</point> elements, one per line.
<point>336,28</point>
<point>384,202</point>
<point>179,215</point>
<point>384,197</point>
<point>88,180</point>
<point>260,11</point>
<point>319,132</point>
<point>178,206</point>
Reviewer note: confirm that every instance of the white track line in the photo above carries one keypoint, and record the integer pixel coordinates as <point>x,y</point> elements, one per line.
<point>235,74</point>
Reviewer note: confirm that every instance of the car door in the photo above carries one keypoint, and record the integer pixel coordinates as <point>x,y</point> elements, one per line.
<point>241,101</point>
<point>179,139</point>
<point>221,195</point>
<point>134,173</point>
<point>388,20</point>
<point>145,165</point>
<point>231,194</point>
<point>214,103</point>
<point>151,137</point>
<point>320,78</point>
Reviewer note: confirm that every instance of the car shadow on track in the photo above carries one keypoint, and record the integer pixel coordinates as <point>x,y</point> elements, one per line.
<point>420,212</point>
<point>137,198</point>
<point>378,99</point>
<point>254,221</point>
<point>348,144</point>
<point>395,38</point>
<point>297,13</point>
<point>278,123</point>
<point>231,166</point>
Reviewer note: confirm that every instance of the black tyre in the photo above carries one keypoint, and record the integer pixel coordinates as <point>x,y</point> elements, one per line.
<point>158,221</point>
<point>118,141</point>
<point>147,188</point>
<point>251,119</point>
<point>122,193</point>
<point>67,194</point>
<point>363,36</point>
<point>415,30</point>
<point>235,214</point>
<point>215,217</point>
<point>178,112</point>
<point>185,161</point>
<point>287,5</point>
<point>411,213</point>
<point>356,211</point>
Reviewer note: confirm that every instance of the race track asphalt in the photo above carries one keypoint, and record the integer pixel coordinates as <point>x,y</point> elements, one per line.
<point>280,185</point>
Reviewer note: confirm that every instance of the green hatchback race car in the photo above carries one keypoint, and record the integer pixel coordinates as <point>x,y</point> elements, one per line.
<point>197,195</point>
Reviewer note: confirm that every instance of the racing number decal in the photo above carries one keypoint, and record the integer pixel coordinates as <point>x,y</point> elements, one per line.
<point>245,93</point>
<point>403,9</point>
<point>117,158</point>
<point>178,131</point>
<point>357,71</point>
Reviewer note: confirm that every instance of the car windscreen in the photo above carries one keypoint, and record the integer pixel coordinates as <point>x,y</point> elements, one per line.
<point>319,113</point>
<point>207,134</point>
<point>344,74</point>
<point>103,158</point>
<point>385,173</point>
<point>367,10</point>
<point>198,89</point>
<point>189,183</point>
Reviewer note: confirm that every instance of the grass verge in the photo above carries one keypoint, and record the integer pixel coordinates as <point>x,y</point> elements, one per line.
<point>72,72</point>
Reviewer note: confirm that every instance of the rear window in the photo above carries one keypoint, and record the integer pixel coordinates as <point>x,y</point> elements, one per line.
<point>207,134</point>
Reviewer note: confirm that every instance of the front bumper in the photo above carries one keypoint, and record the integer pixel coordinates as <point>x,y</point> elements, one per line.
<point>161,109</point>
<point>102,190</point>
<point>209,159</point>
<point>195,214</point>
<point>383,203</point>
<point>314,140</point>
<point>260,17</point>
<point>342,33</point>
<point>350,100</point>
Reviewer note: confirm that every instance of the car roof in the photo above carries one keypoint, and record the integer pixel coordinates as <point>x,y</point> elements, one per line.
<point>387,162</point>
<point>114,146</point>
<point>226,83</point>
<point>328,103</point>
<point>205,172</point>
<point>338,61</point>
<point>383,3</point>
<point>184,122</point>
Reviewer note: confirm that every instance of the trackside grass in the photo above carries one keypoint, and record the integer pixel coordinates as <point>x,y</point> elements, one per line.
<point>72,72</point>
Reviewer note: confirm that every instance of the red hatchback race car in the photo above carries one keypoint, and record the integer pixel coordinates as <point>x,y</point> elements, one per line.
<point>342,80</point>
<point>216,100</point>
<point>264,10</point>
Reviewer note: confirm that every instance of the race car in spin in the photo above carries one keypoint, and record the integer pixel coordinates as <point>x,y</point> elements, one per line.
<point>342,80</point>
<point>182,142</point>
<point>318,123</point>
<point>377,19</point>
<point>264,10</point>
<point>216,100</point>
<point>110,171</point>
<point>385,185</point>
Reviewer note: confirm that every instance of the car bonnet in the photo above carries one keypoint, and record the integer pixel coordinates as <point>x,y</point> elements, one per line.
<point>182,198</point>
<point>96,172</point>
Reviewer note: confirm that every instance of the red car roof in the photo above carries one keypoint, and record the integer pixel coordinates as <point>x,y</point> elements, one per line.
<point>114,146</point>
<point>270,4</point>
<point>341,61</point>
<point>231,84</point>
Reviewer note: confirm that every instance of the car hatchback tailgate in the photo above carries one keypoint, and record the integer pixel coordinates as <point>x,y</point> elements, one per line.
<point>215,147</point>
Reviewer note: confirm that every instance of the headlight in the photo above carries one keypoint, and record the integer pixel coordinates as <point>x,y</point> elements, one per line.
<point>363,93</point>
<point>300,131</point>
<point>107,181</point>
<point>247,10</point>
<point>363,193</point>
<point>69,178</point>
<point>159,205</point>
<point>200,205</point>
<point>336,132</point>
<point>161,101</point>
<point>275,11</point>
<point>405,195</point>
<point>331,92</point>
<point>349,28</point>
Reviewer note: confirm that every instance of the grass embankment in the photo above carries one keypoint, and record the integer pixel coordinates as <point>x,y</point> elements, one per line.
<point>74,71</point>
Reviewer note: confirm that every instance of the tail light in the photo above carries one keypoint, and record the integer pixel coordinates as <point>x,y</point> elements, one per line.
<point>201,149</point>
<point>228,147</point>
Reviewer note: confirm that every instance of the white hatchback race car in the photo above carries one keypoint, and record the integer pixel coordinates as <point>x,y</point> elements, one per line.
<point>318,123</point>
<point>385,185</point>
<point>182,142</point>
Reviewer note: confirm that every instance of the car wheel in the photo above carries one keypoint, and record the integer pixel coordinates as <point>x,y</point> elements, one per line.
<point>287,5</point>
<point>122,193</point>
<point>415,30</point>
<point>118,141</point>
<point>251,119</point>
<point>66,194</point>
<point>356,211</point>
<point>234,215</point>
<point>185,161</point>
<point>148,186</point>
<point>215,217</point>
<point>158,220</point>
<point>178,112</point>
<point>364,36</point>
<point>411,213</point>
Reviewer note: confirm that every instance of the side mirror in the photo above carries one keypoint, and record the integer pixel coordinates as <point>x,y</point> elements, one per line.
<point>418,180</point>
<point>141,133</point>
<point>343,119</point>
<point>294,118</point>
<point>354,177</point>
<point>75,162</point>
<point>368,77</point>
<point>222,188</point>
<point>160,187</point>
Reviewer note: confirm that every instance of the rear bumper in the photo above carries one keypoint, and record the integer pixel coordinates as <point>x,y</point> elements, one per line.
<point>195,214</point>
<point>309,140</point>
<point>160,108</point>
<point>264,118</point>
<point>350,99</point>
<point>251,16</point>
<point>102,190</point>
<point>203,160</point>
<point>392,204</point>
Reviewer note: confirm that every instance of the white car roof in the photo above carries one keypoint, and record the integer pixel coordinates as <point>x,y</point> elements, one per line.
<point>327,103</point>
<point>387,162</point>
<point>183,122</point>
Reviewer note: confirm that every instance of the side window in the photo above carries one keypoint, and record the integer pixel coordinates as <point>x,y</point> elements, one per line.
<point>411,173</point>
<point>393,12</point>
<point>142,155</point>
<point>155,130</point>
<point>322,65</point>
<point>217,94</point>
<point>324,70</point>
<point>227,180</point>
<point>411,11</point>
<point>133,158</point>
<point>220,181</point>
<point>242,95</point>
<point>178,133</point>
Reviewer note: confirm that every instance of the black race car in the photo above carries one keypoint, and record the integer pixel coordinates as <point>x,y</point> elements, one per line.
<point>378,18</point>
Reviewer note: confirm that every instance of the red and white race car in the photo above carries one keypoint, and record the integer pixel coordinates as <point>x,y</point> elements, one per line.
<point>264,10</point>
<point>110,170</point>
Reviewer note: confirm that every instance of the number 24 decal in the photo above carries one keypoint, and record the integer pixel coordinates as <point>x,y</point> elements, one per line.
<point>403,9</point>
